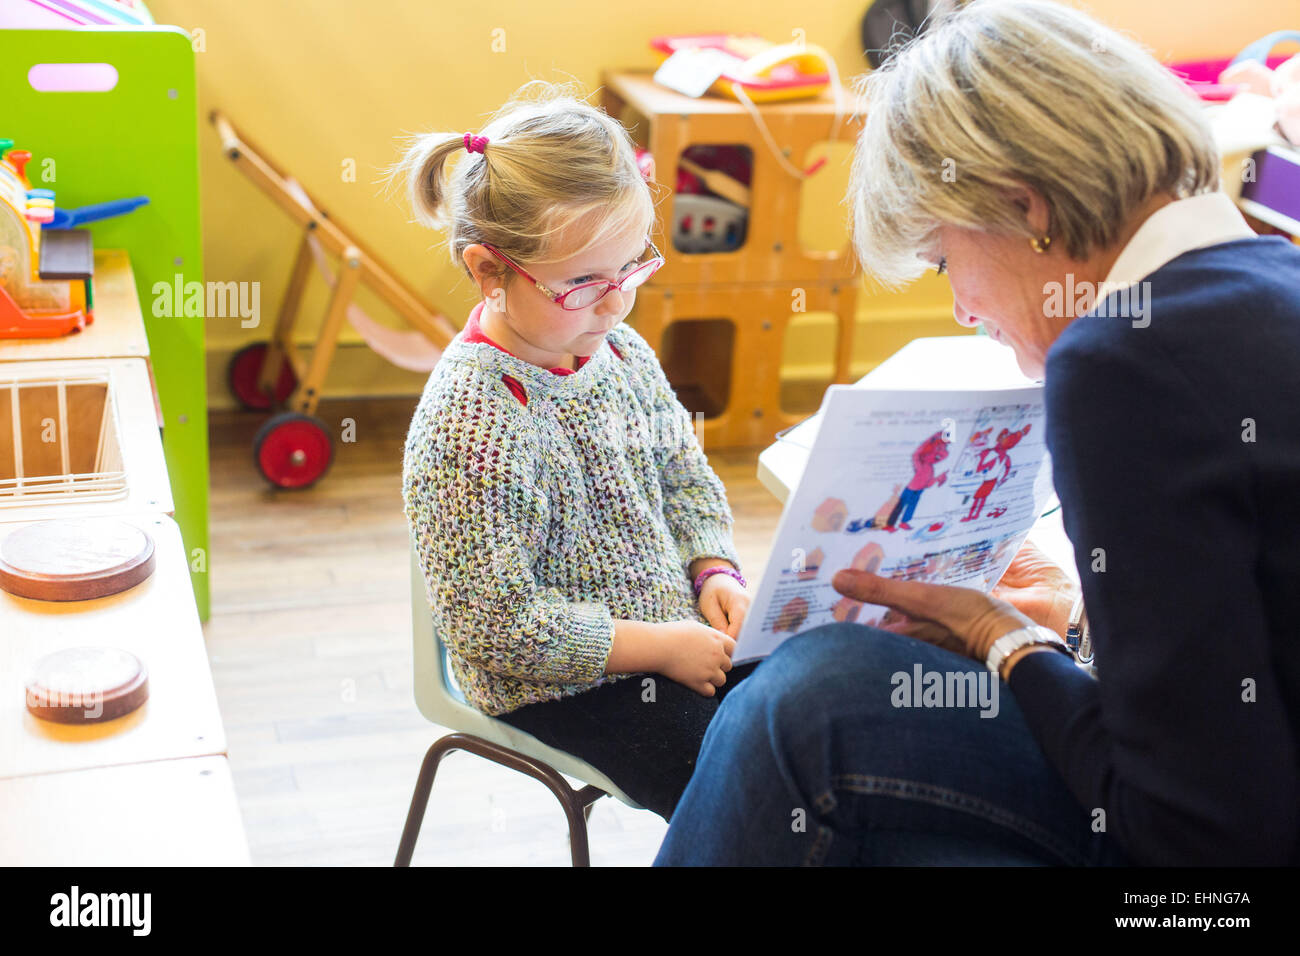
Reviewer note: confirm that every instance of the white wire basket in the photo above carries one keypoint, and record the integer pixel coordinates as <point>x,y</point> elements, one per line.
<point>59,438</point>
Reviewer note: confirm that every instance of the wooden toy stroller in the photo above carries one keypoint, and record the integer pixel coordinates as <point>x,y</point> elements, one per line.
<point>294,448</point>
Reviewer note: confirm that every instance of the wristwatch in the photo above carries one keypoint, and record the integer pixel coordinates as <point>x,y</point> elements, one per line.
<point>1028,636</point>
<point>1077,633</point>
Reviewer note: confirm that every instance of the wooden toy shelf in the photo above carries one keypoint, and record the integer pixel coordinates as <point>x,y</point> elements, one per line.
<point>771,251</point>
<point>749,290</point>
<point>725,353</point>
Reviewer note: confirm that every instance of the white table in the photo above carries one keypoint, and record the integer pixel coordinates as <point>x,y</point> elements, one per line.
<point>958,361</point>
<point>164,813</point>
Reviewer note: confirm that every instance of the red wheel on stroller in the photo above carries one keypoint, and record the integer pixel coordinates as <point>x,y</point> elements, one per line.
<point>243,371</point>
<point>293,450</point>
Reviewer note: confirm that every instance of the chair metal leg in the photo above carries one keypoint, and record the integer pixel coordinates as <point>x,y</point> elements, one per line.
<point>420,798</point>
<point>578,808</point>
<point>586,811</point>
<point>576,803</point>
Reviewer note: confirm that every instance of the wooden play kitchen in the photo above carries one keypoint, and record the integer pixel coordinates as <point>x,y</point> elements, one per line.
<point>105,672</point>
<point>718,319</point>
<point>112,750</point>
<point>58,109</point>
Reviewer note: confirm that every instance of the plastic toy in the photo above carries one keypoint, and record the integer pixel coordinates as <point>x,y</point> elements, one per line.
<point>751,70</point>
<point>1217,81</point>
<point>1281,81</point>
<point>762,70</point>
<point>68,218</point>
<point>707,224</point>
<point>711,208</point>
<point>37,299</point>
<point>56,14</point>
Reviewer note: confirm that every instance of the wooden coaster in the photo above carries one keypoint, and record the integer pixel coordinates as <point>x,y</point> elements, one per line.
<point>84,685</point>
<point>71,559</point>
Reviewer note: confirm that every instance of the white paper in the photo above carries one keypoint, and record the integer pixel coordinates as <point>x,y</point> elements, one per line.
<point>976,463</point>
<point>692,70</point>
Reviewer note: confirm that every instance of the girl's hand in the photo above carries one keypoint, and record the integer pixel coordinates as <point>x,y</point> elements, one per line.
<point>962,620</point>
<point>1038,588</point>
<point>696,655</point>
<point>724,603</point>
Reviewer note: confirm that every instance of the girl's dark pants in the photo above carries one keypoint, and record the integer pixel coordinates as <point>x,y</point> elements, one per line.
<point>643,732</point>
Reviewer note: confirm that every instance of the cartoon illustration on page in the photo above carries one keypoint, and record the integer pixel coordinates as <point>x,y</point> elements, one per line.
<point>959,526</point>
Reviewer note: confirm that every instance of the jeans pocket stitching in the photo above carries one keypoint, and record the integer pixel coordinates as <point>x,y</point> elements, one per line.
<point>824,803</point>
<point>964,802</point>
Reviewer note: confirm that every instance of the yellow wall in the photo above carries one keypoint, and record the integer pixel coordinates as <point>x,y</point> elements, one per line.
<point>334,80</point>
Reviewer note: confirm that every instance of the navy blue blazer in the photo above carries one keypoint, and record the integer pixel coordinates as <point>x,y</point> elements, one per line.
<point>1176,453</point>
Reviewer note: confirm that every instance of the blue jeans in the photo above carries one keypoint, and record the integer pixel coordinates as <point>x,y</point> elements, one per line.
<point>906,506</point>
<point>811,760</point>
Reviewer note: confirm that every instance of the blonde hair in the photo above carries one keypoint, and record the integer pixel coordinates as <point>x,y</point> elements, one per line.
<point>552,160</point>
<point>1002,93</point>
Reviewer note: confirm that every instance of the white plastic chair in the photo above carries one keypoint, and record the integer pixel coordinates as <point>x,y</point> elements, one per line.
<point>441,701</point>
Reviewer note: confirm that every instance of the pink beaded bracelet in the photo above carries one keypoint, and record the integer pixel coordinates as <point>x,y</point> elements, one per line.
<point>709,572</point>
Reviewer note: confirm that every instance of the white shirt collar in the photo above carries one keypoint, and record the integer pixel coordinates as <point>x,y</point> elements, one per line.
<point>1180,226</point>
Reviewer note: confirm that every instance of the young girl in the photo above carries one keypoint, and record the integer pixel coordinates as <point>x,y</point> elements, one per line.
<point>569,527</point>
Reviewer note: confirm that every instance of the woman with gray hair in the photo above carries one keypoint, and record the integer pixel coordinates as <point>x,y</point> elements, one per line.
<point>1067,184</point>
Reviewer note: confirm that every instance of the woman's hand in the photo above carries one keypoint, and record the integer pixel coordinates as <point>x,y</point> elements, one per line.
<point>962,620</point>
<point>724,603</point>
<point>1038,588</point>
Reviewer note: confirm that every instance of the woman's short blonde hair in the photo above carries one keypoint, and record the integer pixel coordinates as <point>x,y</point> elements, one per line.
<point>1003,93</point>
<point>552,161</point>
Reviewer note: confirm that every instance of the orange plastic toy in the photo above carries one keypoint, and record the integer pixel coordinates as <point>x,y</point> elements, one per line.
<point>31,307</point>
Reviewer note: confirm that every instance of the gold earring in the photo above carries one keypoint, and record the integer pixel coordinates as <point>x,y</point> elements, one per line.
<point>1040,245</point>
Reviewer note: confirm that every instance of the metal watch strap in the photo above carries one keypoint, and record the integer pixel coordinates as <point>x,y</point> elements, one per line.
<point>1033,634</point>
<point>1077,633</point>
<point>1074,628</point>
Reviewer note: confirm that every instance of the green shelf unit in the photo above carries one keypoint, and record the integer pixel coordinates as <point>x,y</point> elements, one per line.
<point>138,139</point>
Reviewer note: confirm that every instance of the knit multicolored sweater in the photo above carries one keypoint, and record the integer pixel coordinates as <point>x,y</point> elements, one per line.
<point>539,525</point>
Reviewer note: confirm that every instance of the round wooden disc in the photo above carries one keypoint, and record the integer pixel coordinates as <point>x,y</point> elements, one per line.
<point>75,559</point>
<point>83,685</point>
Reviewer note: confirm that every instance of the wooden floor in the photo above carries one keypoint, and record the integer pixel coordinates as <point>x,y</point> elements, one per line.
<point>310,646</point>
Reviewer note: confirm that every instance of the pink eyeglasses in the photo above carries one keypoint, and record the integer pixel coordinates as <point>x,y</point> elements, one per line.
<point>589,293</point>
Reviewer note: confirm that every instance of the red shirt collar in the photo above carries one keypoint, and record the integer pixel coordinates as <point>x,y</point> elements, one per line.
<point>473,333</point>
